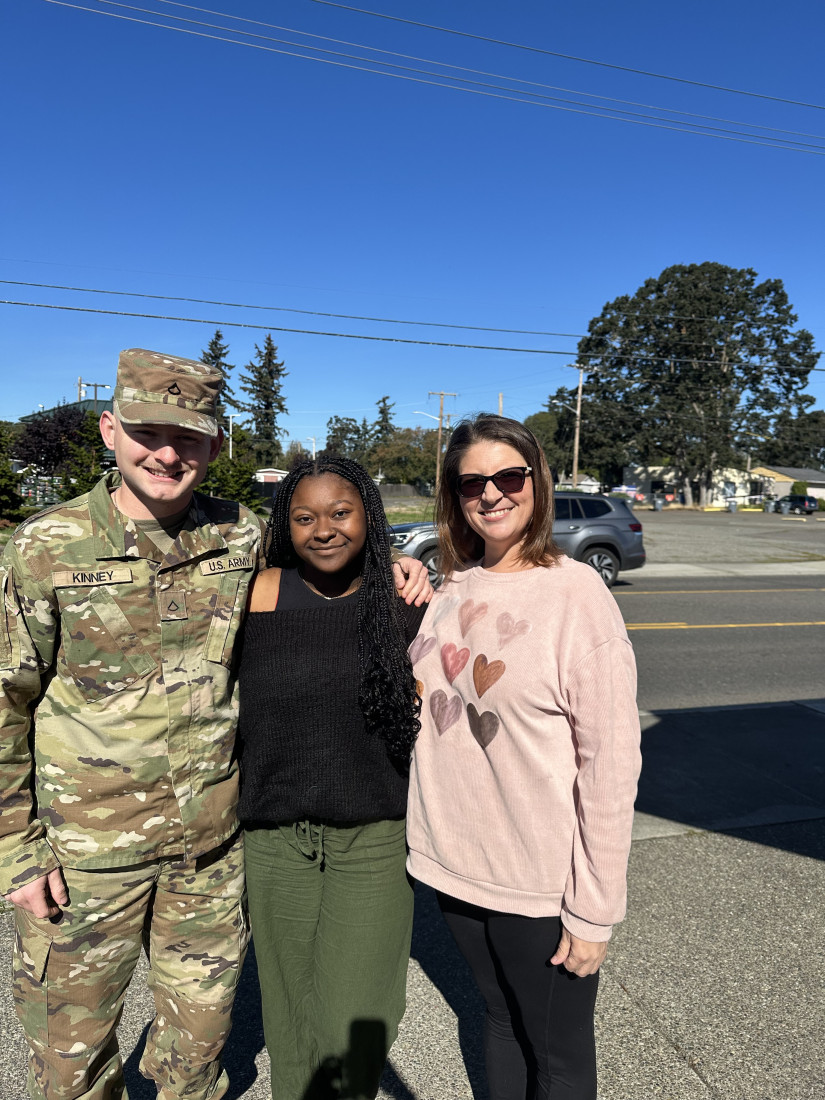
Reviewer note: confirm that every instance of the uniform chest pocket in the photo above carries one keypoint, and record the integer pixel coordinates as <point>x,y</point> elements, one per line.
<point>227,612</point>
<point>101,649</point>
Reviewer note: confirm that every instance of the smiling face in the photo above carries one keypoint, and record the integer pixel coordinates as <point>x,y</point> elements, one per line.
<point>328,527</point>
<point>500,518</point>
<point>160,464</point>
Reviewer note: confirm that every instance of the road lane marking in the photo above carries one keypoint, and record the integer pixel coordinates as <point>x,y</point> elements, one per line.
<point>710,626</point>
<point>714,591</point>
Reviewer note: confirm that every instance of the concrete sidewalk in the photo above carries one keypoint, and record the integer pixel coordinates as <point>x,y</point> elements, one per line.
<point>723,569</point>
<point>713,988</point>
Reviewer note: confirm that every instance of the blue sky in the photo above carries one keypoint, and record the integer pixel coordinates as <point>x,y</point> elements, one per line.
<point>144,160</point>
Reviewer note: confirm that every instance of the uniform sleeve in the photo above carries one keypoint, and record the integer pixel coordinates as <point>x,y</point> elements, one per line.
<point>28,633</point>
<point>601,695</point>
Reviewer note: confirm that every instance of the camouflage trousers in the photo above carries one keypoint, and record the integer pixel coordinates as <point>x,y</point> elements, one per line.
<point>71,976</point>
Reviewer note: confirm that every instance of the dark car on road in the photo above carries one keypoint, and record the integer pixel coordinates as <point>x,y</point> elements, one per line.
<point>601,531</point>
<point>798,503</point>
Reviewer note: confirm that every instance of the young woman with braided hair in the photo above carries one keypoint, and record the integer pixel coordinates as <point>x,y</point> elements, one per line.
<point>328,717</point>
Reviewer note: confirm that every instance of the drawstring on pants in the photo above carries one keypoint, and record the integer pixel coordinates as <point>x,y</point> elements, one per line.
<point>309,838</point>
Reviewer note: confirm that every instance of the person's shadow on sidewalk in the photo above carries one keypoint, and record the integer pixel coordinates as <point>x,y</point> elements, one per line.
<point>245,1042</point>
<point>436,953</point>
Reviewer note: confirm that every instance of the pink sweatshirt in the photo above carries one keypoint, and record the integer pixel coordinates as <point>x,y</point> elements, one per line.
<point>524,773</point>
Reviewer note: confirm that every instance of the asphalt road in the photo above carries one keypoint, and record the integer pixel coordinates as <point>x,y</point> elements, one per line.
<point>718,641</point>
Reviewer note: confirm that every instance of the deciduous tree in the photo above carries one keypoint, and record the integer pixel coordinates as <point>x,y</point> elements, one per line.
<point>407,457</point>
<point>44,441</point>
<point>349,438</point>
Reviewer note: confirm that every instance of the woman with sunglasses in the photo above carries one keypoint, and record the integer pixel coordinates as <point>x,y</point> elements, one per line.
<point>524,773</point>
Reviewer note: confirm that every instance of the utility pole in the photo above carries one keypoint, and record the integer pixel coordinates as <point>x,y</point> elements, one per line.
<point>94,385</point>
<point>231,418</point>
<point>575,477</point>
<point>312,437</point>
<point>500,404</point>
<point>440,394</point>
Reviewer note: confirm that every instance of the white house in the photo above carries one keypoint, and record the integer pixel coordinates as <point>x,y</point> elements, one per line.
<point>664,481</point>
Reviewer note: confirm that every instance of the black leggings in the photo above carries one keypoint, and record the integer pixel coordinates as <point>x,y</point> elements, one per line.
<point>538,1035</point>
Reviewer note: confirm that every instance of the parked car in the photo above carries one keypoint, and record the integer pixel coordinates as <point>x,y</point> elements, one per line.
<point>601,531</point>
<point>418,540</point>
<point>799,503</point>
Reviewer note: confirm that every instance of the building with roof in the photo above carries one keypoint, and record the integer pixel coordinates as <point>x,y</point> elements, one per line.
<point>783,477</point>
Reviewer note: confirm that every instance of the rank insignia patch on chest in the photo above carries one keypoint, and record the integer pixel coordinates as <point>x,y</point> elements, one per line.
<point>173,605</point>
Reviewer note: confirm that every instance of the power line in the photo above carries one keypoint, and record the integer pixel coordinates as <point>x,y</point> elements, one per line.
<point>572,57</point>
<point>360,317</point>
<point>440,81</point>
<point>377,339</point>
<point>278,328</point>
<point>287,309</point>
<point>308,312</point>
<point>442,64</point>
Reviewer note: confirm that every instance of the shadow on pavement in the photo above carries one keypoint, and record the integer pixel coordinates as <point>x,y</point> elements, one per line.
<point>245,1041</point>
<point>729,769</point>
<point>436,953</point>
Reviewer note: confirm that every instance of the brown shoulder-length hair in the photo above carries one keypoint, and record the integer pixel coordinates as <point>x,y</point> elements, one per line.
<point>458,543</point>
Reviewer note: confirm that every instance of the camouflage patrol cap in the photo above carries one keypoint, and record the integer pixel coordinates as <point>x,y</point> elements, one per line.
<point>153,388</point>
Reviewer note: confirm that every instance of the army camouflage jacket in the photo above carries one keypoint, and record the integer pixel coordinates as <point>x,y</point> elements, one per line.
<point>117,722</point>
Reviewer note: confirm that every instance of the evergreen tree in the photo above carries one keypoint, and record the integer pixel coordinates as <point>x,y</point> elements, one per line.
<point>234,478</point>
<point>215,356</point>
<point>383,428</point>
<point>11,500</point>
<point>690,368</point>
<point>85,455</point>
<point>796,440</point>
<point>263,383</point>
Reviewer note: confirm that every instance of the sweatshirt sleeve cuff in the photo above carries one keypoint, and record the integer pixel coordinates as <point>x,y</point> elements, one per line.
<point>26,864</point>
<point>584,930</point>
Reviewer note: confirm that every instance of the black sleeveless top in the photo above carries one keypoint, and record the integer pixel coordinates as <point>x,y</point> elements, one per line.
<point>294,595</point>
<point>304,750</point>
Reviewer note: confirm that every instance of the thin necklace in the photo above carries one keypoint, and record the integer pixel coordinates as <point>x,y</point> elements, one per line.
<point>356,584</point>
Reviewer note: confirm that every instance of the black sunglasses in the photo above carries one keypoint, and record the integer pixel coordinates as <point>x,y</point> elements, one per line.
<point>510,480</point>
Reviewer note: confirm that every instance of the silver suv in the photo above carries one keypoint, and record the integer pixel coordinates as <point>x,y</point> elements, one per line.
<point>601,531</point>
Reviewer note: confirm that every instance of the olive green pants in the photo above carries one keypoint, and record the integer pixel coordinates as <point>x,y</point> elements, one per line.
<point>331,911</point>
<point>71,976</point>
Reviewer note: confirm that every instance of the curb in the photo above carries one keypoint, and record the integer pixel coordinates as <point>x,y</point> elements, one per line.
<point>725,569</point>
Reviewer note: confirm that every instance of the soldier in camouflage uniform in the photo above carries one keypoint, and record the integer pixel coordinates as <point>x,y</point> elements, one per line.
<point>118,782</point>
